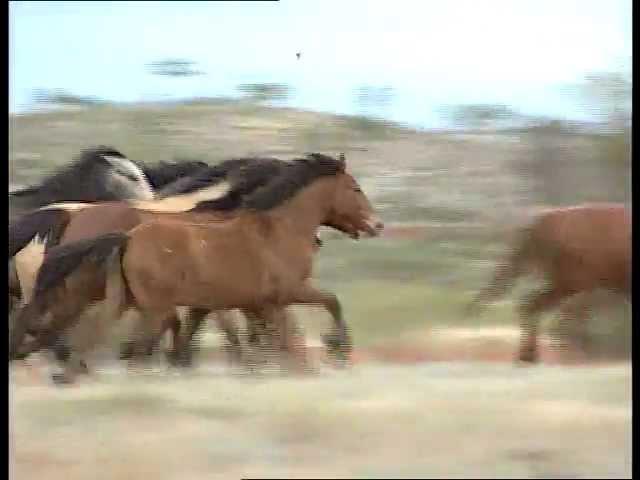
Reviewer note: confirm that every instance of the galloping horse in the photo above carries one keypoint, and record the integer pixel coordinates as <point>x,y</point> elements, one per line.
<point>260,260</point>
<point>577,250</point>
<point>207,190</point>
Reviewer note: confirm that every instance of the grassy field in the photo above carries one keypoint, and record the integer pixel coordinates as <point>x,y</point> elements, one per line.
<point>431,394</point>
<point>438,420</point>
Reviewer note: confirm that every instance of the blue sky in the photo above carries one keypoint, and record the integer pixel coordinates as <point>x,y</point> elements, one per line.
<point>430,52</point>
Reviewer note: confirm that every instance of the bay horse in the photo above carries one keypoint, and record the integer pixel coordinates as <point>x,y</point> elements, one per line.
<point>576,250</point>
<point>203,193</point>
<point>259,260</point>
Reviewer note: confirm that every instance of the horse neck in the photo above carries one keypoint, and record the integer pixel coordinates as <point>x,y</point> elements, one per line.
<point>307,209</point>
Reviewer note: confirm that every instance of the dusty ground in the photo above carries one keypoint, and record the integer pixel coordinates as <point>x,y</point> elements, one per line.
<point>393,414</point>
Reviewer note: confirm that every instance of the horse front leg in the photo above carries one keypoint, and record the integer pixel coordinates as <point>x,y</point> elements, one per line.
<point>183,343</point>
<point>338,342</point>
<point>151,326</point>
<point>226,323</point>
<point>291,343</point>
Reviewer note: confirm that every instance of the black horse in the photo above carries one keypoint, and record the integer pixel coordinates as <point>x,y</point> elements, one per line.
<point>98,174</point>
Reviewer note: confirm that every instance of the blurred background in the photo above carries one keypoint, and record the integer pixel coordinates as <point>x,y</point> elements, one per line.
<point>461,120</point>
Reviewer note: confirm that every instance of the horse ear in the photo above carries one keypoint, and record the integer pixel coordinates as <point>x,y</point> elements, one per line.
<point>343,162</point>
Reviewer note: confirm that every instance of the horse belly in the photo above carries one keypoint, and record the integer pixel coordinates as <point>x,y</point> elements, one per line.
<point>225,282</point>
<point>165,273</point>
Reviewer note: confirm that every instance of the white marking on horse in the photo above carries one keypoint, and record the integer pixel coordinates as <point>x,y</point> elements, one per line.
<point>28,262</point>
<point>182,203</point>
<point>130,173</point>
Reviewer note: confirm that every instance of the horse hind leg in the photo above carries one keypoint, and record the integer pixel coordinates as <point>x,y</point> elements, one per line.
<point>70,362</point>
<point>148,332</point>
<point>226,323</point>
<point>293,348</point>
<point>531,307</point>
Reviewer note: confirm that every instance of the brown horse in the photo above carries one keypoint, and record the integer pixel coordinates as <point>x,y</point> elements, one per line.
<point>260,260</point>
<point>205,193</point>
<point>577,250</point>
<point>196,197</point>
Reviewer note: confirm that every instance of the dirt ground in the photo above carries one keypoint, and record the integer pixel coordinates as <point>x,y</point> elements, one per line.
<point>395,413</point>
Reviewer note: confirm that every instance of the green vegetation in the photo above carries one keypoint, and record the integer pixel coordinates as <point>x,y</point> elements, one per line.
<point>460,193</point>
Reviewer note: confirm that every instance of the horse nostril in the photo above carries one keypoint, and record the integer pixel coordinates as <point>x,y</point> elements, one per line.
<point>379,225</point>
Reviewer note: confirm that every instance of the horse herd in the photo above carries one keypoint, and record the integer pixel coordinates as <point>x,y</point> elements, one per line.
<point>242,235</point>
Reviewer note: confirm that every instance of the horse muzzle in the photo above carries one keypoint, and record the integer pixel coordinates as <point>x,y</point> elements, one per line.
<point>373,227</point>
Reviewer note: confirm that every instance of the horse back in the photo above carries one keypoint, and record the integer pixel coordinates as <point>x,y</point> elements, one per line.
<point>108,217</point>
<point>585,245</point>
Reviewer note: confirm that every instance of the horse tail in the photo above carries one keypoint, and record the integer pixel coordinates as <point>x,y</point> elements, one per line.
<point>508,270</point>
<point>64,260</point>
<point>48,224</point>
<point>59,265</point>
<point>115,283</point>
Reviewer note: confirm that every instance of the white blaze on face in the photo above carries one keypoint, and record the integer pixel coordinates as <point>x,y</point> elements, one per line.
<point>131,177</point>
<point>182,203</point>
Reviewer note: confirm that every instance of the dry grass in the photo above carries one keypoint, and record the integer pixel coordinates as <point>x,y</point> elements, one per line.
<point>426,420</point>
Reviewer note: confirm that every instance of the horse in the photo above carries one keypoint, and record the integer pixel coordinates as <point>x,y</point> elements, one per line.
<point>576,250</point>
<point>106,174</point>
<point>164,173</point>
<point>98,174</point>
<point>204,189</point>
<point>259,260</point>
<point>110,217</point>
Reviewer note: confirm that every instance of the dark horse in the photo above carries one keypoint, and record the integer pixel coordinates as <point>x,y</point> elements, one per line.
<point>577,250</point>
<point>259,260</point>
<point>99,174</point>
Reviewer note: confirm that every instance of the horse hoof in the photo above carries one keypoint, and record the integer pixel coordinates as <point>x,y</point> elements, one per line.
<point>526,361</point>
<point>126,354</point>
<point>171,357</point>
<point>83,368</point>
<point>60,379</point>
<point>184,361</point>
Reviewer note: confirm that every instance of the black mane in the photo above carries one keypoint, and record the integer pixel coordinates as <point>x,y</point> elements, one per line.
<point>60,181</point>
<point>296,175</point>
<point>243,174</point>
<point>163,174</point>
